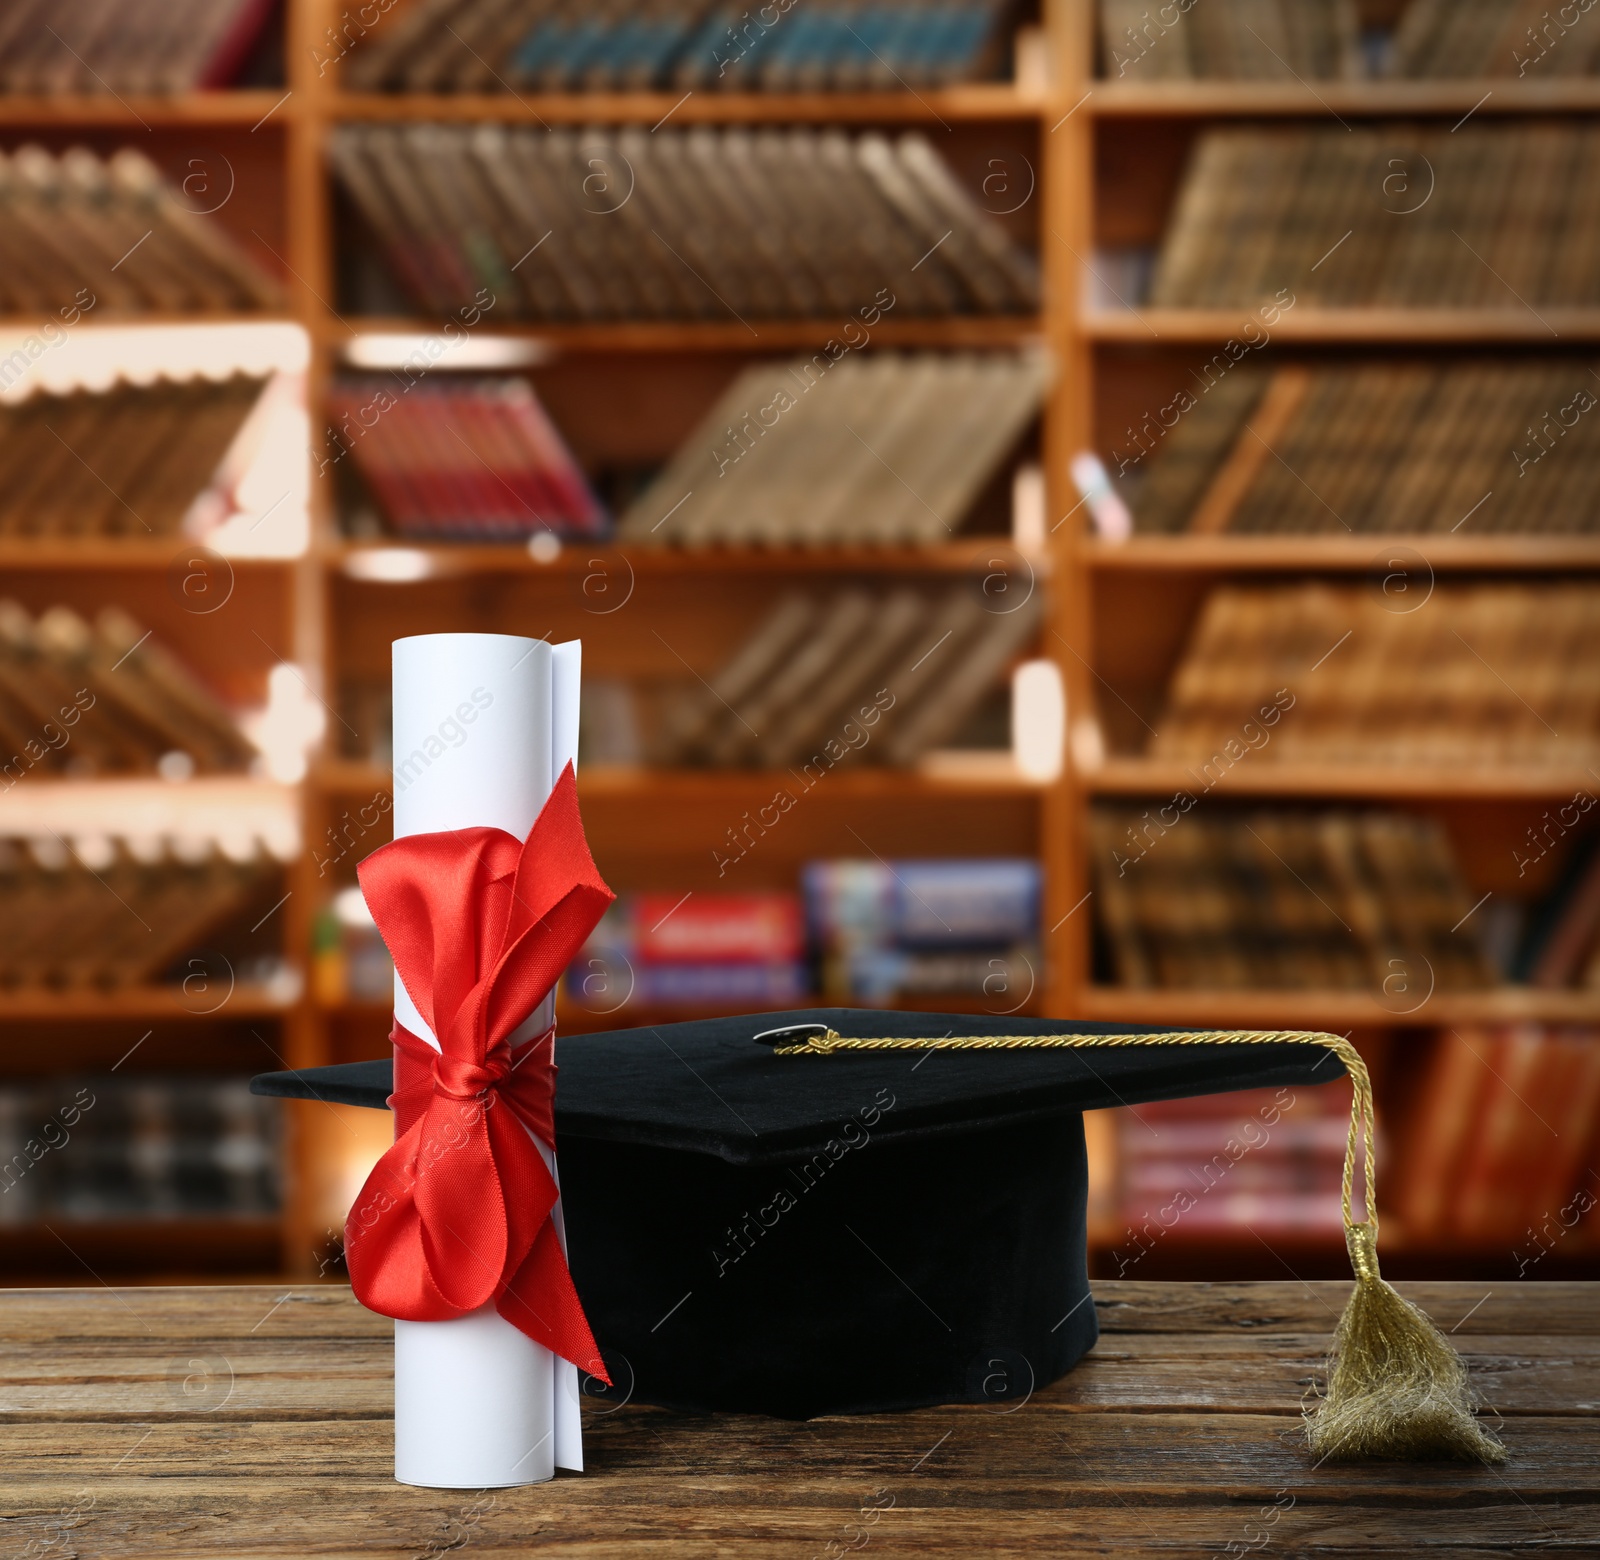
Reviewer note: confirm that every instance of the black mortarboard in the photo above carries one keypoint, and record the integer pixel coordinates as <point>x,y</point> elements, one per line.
<point>805,1234</point>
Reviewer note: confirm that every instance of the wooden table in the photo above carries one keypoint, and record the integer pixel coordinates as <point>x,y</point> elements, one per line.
<point>256,1420</point>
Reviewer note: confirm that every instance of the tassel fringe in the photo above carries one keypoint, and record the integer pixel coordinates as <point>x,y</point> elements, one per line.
<point>1397,1390</point>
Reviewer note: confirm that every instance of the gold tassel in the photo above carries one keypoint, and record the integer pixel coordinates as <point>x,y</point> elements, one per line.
<point>1396,1390</point>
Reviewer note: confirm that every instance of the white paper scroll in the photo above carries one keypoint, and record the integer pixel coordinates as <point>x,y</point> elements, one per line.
<point>483,724</point>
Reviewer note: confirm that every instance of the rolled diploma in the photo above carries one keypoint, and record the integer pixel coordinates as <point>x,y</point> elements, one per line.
<point>483,724</point>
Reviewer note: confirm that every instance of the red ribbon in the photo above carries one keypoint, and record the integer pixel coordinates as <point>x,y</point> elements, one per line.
<point>457,1212</point>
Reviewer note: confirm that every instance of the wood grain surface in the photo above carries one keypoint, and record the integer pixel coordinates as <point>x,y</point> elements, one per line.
<point>256,1421</point>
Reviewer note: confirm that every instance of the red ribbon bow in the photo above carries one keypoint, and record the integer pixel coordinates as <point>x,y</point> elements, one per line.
<point>457,1212</point>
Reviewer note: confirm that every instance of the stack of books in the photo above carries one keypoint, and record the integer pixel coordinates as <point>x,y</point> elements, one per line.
<point>1501,1143</point>
<point>1279,899</point>
<point>1475,674</point>
<point>599,224</point>
<point>860,676</point>
<point>884,931</point>
<point>114,913</point>
<point>463,459</point>
<point>1454,39</point>
<point>132,46</point>
<point>1457,448</point>
<point>1491,216</point>
<point>78,234</point>
<point>1263,1160</point>
<point>697,950</point>
<point>636,45</point>
<point>128,461</point>
<point>77,699</point>
<point>1243,40</point>
<point>132,1147</point>
<point>892,448</point>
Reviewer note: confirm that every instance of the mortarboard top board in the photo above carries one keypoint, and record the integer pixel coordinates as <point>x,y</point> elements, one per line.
<point>800,1235</point>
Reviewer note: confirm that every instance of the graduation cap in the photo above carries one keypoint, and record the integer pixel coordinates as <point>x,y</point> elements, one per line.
<point>842,1211</point>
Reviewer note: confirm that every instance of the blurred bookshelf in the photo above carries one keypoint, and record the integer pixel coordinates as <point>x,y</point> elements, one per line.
<point>1139,144</point>
<point>1102,162</point>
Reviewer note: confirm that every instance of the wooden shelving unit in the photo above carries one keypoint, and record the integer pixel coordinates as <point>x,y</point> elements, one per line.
<point>334,610</point>
<point>356,595</point>
<point>1119,155</point>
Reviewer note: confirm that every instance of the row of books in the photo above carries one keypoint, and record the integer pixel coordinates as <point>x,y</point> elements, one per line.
<point>1288,40</point>
<point>1263,1160</point>
<point>1502,1141</point>
<point>1208,899</point>
<point>855,677</point>
<point>693,950</point>
<point>81,234</point>
<point>126,46</point>
<point>1450,448</point>
<point>106,698</point>
<point>1242,40</point>
<point>859,676</point>
<point>556,224</point>
<point>632,45</point>
<point>137,1147</point>
<point>1402,671</point>
<point>474,459</point>
<point>886,449</point>
<point>860,931</point>
<point>885,931</point>
<point>1475,216</point>
<point>127,461</point>
<point>111,912</point>
<point>1471,38</point>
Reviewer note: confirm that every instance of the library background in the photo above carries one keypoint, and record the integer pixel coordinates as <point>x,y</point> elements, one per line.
<point>1071,510</point>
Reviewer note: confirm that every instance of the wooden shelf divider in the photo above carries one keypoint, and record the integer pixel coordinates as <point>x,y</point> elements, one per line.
<point>1517,325</point>
<point>1359,552</point>
<point>696,336</point>
<point>1385,782</point>
<point>970,101</point>
<point>1358,99</point>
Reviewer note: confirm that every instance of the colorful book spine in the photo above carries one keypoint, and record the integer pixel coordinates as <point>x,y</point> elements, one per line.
<point>479,460</point>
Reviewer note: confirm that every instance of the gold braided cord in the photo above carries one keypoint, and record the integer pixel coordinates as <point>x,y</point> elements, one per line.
<point>1396,1387</point>
<point>1361,1115</point>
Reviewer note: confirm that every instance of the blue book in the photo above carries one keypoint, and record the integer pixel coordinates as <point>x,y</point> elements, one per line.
<point>543,49</point>
<point>854,906</point>
<point>711,45</point>
<point>945,903</point>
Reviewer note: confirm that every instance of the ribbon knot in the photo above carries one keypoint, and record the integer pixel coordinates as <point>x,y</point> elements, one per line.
<point>456,1214</point>
<point>456,1078</point>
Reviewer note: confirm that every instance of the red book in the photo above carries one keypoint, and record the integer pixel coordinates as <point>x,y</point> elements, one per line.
<point>1511,1138</point>
<point>1440,1136</point>
<point>717,928</point>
